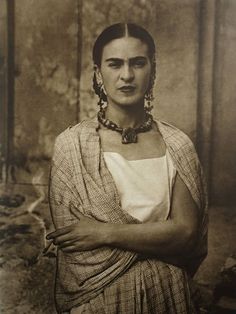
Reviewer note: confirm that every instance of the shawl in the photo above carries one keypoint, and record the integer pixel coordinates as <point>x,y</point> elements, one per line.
<point>81,182</point>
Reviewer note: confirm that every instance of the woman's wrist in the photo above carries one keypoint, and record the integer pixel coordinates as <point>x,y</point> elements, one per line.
<point>107,234</point>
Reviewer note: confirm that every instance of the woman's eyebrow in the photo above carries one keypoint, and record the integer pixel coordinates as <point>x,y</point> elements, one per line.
<point>130,59</point>
<point>114,60</point>
<point>139,58</point>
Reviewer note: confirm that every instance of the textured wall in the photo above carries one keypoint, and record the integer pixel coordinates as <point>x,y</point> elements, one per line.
<point>3,82</point>
<point>46,85</point>
<point>224,115</point>
<point>174,26</point>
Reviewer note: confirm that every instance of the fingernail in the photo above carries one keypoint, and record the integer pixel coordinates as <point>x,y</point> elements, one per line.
<point>46,249</point>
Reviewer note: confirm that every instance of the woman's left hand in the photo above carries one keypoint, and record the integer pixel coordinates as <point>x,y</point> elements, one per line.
<point>86,234</point>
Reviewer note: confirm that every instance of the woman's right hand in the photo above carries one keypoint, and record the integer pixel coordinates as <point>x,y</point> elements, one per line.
<point>86,234</point>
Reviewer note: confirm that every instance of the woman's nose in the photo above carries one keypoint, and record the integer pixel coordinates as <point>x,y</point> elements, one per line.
<point>127,73</point>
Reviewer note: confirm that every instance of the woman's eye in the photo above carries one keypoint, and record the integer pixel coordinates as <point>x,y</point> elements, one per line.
<point>114,65</point>
<point>139,64</point>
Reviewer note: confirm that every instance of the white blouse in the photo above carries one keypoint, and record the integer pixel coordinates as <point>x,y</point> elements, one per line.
<point>144,185</point>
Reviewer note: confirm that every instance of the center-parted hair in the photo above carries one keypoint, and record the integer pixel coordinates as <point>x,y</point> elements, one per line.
<point>117,31</point>
<point>121,30</point>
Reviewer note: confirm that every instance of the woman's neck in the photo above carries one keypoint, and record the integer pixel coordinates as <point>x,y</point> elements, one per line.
<point>126,116</point>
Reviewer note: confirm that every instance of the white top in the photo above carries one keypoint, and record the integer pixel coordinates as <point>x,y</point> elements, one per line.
<point>144,185</point>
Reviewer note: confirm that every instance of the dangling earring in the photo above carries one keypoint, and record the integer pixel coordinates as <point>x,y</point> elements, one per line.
<point>102,96</point>
<point>100,91</point>
<point>149,94</point>
<point>148,97</point>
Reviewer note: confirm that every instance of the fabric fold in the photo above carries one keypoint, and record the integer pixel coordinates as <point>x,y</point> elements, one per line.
<point>80,181</point>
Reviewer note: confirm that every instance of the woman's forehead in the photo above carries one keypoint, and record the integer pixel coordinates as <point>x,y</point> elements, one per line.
<point>125,48</point>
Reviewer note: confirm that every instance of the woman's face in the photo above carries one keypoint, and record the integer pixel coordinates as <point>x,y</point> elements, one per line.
<point>125,71</point>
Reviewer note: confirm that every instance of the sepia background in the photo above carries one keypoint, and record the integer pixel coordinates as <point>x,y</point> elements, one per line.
<point>46,85</point>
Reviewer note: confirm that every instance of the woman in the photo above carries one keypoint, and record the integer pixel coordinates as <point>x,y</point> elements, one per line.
<point>127,195</point>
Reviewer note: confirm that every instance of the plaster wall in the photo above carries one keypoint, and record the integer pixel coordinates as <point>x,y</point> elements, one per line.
<point>46,80</point>
<point>3,77</point>
<point>224,115</point>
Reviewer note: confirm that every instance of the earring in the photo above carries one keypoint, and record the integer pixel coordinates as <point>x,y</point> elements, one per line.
<point>100,91</point>
<point>149,94</point>
<point>102,96</point>
<point>148,98</point>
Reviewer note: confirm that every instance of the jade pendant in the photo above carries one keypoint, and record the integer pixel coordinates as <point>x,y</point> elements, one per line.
<point>129,135</point>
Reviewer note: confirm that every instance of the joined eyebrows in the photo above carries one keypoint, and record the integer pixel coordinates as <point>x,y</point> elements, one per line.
<point>138,58</point>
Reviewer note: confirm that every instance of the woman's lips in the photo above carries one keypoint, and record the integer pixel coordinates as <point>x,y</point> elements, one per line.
<point>127,89</point>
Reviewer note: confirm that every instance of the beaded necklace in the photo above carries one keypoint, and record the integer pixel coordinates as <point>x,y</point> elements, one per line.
<point>129,135</point>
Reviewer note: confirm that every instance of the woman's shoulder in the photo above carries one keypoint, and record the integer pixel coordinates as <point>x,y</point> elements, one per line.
<point>85,126</point>
<point>174,135</point>
<point>80,130</point>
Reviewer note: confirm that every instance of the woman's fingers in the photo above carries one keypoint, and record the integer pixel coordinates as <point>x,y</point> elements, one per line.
<point>67,229</point>
<point>73,248</point>
<point>69,249</point>
<point>67,243</point>
<point>61,232</point>
<point>58,233</point>
<point>64,238</point>
<point>79,236</point>
<point>59,236</point>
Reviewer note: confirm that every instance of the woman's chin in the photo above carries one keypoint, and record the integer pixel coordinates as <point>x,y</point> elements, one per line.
<point>128,102</point>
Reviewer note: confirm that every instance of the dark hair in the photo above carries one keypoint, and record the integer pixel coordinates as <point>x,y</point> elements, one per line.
<point>120,30</point>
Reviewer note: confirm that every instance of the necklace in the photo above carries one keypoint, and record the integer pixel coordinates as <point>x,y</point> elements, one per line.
<point>129,135</point>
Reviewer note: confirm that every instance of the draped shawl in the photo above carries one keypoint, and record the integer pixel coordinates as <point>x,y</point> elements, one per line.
<point>81,182</point>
